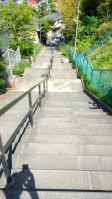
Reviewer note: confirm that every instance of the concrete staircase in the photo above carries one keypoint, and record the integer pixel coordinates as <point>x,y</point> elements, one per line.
<point>68,152</point>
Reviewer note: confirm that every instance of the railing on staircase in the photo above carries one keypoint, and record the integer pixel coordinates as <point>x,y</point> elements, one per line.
<point>42,88</point>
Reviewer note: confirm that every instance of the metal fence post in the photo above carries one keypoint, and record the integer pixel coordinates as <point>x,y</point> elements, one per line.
<point>49,71</point>
<point>44,88</point>
<point>46,84</point>
<point>30,108</point>
<point>9,63</point>
<point>91,81</point>
<point>39,95</point>
<point>17,62</point>
<point>50,62</point>
<point>52,50</point>
<point>99,78</point>
<point>9,178</point>
<point>19,54</point>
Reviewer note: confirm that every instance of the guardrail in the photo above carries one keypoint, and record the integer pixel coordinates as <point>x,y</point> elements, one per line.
<point>42,88</point>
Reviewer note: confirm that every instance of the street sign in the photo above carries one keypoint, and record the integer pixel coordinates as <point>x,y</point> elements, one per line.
<point>4,41</point>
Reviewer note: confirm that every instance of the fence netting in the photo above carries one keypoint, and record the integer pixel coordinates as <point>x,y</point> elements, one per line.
<point>12,59</point>
<point>99,79</point>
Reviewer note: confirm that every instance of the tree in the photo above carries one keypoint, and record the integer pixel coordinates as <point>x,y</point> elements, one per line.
<point>17,18</point>
<point>68,11</point>
<point>89,7</point>
<point>105,8</point>
<point>97,7</point>
<point>46,26</point>
<point>52,5</point>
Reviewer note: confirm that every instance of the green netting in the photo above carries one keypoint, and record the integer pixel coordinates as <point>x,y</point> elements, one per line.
<point>99,79</point>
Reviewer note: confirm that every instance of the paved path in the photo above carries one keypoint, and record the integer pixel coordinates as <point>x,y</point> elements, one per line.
<point>68,152</point>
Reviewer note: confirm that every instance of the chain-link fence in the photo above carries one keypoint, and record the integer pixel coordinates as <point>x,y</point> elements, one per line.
<point>99,79</point>
<point>12,59</point>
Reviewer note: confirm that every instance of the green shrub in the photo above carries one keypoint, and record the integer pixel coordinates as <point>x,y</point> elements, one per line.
<point>2,86</point>
<point>25,64</point>
<point>63,51</point>
<point>26,47</point>
<point>37,49</point>
<point>2,70</point>
<point>102,29</point>
<point>19,70</point>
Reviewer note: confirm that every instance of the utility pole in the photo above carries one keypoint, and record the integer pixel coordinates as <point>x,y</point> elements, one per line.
<point>76,33</point>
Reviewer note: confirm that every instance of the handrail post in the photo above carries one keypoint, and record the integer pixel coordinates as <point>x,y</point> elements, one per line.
<point>39,95</point>
<point>9,178</point>
<point>30,108</point>
<point>49,71</point>
<point>50,62</point>
<point>44,88</point>
<point>46,84</point>
<point>51,48</point>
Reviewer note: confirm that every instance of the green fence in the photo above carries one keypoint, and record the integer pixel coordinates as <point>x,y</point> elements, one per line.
<point>99,79</point>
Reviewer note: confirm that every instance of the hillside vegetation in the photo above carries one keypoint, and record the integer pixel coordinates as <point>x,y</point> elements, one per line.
<point>95,20</point>
<point>102,56</point>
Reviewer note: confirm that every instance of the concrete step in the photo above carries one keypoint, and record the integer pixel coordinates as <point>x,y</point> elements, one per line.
<point>64,149</point>
<point>70,119</point>
<point>75,99</point>
<point>63,162</point>
<point>62,65</point>
<point>70,85</point>
<point>67,114</point>
<point>67,139</point>
<point>63,74</point>
<point>54,195</point>
<point>36,73</point>
<point>60,59</point>
<point>68,125</point>
<point>68,131</point>
<point>69,104</point>
<point>65,94</point>
<point>61,180</point>
<point>79,113</point>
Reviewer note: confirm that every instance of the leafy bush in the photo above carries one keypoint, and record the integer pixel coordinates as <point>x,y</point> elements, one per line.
<point>2,86</point>
<point>63,51</point>
<point>102,29</point>
<point>19,70</point>
<point>83,45</point>
<point>2,70</point>
<point>3,78</point>
<point>26,47</point>
<point>90,23</point>
<point>37,49</point>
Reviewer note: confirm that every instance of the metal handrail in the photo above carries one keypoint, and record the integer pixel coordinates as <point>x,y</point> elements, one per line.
<point>29,114</point>
<point>11,104</point>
